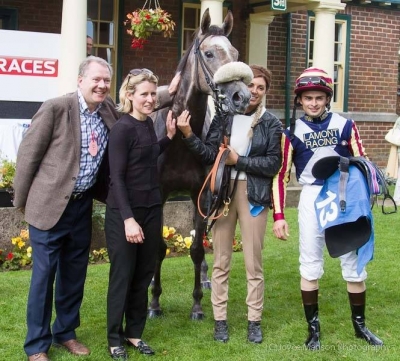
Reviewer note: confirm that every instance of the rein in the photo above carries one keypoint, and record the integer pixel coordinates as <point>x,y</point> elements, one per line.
<point>218,179</point>
<point>218,182</point>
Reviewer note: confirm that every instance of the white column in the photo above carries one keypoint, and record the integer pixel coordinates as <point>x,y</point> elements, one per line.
<point>258,39</point>
<point>216,10</point>
<point>216,13</point>
<point>324,36</point>
<point>73,44</point>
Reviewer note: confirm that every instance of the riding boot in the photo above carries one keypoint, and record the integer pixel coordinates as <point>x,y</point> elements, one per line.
<point>310,304</point>
<point>357,305</point>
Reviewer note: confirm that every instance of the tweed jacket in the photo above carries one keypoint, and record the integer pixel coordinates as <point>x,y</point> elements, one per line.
<point>48,159</point>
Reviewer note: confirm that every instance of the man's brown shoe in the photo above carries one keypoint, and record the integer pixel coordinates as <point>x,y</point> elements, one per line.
<point>41,356</point>
<point>76,348</point>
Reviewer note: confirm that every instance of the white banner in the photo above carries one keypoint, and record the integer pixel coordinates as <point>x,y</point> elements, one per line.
<point>28,65</point>
<point>11,133</point>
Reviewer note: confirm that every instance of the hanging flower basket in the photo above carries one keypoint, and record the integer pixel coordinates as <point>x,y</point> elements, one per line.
<point>142,23</point>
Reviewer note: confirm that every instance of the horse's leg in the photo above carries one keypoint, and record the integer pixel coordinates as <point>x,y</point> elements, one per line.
<point>197,255</point>
<point>156,289</point>
<point>205,281</point>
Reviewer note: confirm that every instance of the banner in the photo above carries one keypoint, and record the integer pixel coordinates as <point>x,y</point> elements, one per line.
<point>28,65</point>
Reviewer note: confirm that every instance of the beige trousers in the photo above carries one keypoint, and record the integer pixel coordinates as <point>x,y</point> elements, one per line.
<point>253,232</point>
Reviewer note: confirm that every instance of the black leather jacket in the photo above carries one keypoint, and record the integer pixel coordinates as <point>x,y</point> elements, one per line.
<point>262,163</point>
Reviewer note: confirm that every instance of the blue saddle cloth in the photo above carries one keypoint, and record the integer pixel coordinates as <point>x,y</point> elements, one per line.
<point>344,214</point>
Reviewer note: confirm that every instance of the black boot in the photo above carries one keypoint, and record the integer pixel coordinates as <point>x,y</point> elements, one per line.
<point>357,304</point>
<point>221,331</point>
<point>310,303</point>
<point>254,333</point>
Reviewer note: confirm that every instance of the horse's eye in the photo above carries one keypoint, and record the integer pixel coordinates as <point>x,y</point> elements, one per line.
<point>209,54</point>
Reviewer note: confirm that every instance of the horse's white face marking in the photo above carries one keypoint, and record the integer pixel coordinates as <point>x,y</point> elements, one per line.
<point>220,45</point>
<point>216,50</point>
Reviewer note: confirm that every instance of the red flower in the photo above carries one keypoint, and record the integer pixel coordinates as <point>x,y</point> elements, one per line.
<point>10,256</point>
<point>205,243</point>
<point>148,16</point>
<point>138,43</point>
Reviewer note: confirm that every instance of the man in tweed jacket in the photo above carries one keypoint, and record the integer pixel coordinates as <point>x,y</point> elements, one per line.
<point>59,165</point>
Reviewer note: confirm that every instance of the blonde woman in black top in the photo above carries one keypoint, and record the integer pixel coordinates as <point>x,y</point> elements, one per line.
<point>134,212</point>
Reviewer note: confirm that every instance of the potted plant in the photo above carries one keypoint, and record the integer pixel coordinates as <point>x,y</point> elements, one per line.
<point>142,23</point>
<point>7,172</point>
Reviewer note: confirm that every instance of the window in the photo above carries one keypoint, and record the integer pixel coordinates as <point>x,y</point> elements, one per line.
<point>190,22</point>
<point>8,19</point>
<point>341,58</point>
<point>101,27</point>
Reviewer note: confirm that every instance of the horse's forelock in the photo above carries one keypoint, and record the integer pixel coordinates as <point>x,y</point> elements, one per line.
<point>215,30</point>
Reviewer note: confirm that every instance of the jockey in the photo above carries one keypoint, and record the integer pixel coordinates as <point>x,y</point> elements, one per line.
<point>316,135</point>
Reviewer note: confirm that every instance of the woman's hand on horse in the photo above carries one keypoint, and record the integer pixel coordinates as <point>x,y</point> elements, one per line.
<point>171,125</point>
<point>183,124</point>
<point>232,157</point>
<point>133,231</point>
<point>173,87</point>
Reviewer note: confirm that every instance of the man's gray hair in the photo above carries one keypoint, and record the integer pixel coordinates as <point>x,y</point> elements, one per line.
<point>93,59</point>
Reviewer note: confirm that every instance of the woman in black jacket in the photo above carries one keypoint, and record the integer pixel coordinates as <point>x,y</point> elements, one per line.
<point>133,220</point>
<point>255,153</point>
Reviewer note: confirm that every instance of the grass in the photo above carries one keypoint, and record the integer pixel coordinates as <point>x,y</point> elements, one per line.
<point>176,337</point>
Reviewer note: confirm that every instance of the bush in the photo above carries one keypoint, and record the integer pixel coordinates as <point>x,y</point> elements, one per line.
<point>20,256</point>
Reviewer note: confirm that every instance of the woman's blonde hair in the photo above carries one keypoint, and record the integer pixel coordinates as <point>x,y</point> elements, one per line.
<point>257,115</point>
<point>129,85</point>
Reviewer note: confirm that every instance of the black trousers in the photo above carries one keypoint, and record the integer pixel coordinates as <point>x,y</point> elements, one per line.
<point>131,270</point>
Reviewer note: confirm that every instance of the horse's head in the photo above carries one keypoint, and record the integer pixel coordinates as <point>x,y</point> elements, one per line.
<point>231,80</point>
<point>211,49</point>
<point>208,52</point>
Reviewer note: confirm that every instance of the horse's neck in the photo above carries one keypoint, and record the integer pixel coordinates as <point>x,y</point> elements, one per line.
<point>189,98</point>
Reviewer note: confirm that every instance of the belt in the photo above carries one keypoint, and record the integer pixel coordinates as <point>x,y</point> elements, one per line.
<point>77,196</point>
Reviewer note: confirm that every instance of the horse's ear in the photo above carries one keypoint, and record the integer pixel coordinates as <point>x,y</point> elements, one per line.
<point>205,21</point>
<point>227,25</point>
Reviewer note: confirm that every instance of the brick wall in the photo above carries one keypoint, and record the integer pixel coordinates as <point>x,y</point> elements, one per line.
<point>373,59</point>
<point>373,136</point>
<point>277,38</point>
<point>37,15</point>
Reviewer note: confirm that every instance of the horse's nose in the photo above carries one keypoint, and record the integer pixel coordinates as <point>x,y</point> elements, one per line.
<point>247,95</point>
<point>241,100</point>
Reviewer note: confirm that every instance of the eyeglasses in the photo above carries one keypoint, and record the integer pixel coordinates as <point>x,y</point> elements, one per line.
<point>136,72</point>
<point>313,80</point>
